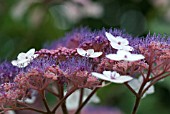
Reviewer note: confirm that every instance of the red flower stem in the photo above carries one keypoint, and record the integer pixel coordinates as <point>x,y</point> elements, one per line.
<point>127,85</point>
<point>63,105</point>
<point>61,95</point>
<point>81,97</point>
<point>145,80</point>
<point>137,102</point>
<point>27,107</point>
<point>24,108</point>
<point>153,82</point>
<point>152,78</point>
<point>42,94</point>
<point>52,92</point>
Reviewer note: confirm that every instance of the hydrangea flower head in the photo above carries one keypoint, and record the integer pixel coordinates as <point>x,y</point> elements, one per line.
<point>23,59</point>
<point>112,76</point>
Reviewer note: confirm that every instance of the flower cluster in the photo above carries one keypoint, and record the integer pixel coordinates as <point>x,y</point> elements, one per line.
<point>84,59</point>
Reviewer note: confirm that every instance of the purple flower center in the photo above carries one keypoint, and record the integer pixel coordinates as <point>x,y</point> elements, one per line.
<point>125,56</point>
<point>119,43</point>
<point>112,76</point>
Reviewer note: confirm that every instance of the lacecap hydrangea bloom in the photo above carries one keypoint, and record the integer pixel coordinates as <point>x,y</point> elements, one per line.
<point>82,60</point>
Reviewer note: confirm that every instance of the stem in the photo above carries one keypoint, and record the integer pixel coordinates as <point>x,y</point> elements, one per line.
<point>63,99</point>
<point>26,107</point>
<point>127,85</point>
<point>135,108</point>
<point>52,92</point>
<point>64,108</point>
<point>42,94</point>
<point>61,95</point>
<point>153,82</point>
<point>85,102</point>
<point>81,97</point>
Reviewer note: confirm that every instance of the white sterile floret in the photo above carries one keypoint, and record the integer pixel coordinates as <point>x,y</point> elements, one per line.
<point>23,59</point>
<point>112,76</point>
<point>118,42</point>
<point>88,53</point>
<point>72,102</point>
<point>10,112</point>
<point>135,84</point>
<point>30,100</point>
<point>125,55</point>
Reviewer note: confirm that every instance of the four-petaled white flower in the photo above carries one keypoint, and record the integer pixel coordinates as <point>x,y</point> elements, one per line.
<point>112,76</point>
<point>88,53</point>
<point>23,59</point>
<point>135,84</point>
<point>125,55</point>
<point>118,42</point>
<point>72,102</point>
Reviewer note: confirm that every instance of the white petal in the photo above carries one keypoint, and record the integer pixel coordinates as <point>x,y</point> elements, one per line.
<point>10,112</point>
<point>30,53</point>
<point>135,57</point>
<point>100,76</point>
<point>81,51</point>
<point>22,65</point>
<point>96,54</point>
<point>107,73</point>
<point>114,57</point>
<point>135,84</point>
<point>14,62</point>
<point>35,55</point>
<point>95,99</point>
<point>23,61</point>
<point>122,79</point>
<point>150,90</point>
<point>30,101</point>
<point>123,41</point>
<point>116,45</point>
<point>123,53</point>
<point>127,48</point>
<point>129,56</point>
<point>115,74</point>
<point>110,37</point>
<point>90,51</point>
<point>72,101</point>
<point>21,56</point>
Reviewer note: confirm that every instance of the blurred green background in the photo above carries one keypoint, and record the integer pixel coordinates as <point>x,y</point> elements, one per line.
<point>33,23</point>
